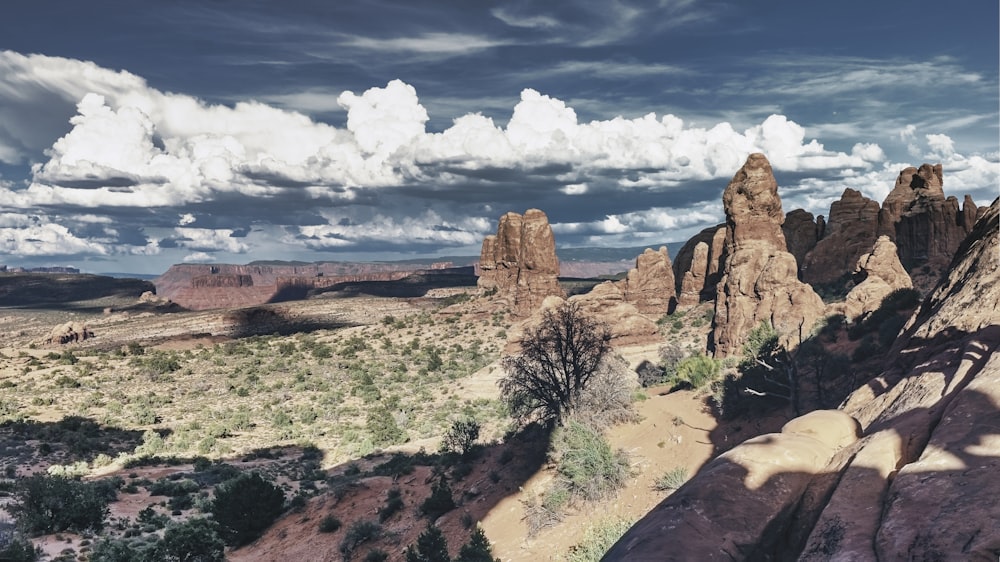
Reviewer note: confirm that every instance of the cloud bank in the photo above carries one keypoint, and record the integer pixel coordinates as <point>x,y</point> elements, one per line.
<point>167,172</point>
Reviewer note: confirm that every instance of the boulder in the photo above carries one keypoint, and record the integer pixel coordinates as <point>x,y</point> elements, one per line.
<point>649,286</point>
<point>518,266</point>
<point>760,277</point>
<point>850,232</point>
<point>877,274</point>
<point>70,332</point>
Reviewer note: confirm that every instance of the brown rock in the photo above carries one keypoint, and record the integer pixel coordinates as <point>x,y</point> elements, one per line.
<point>760,278</point>
<point>519,264</point>
<point>801,233</point>
<point>726,511</point>
<point>696,272</point>
<point>877,274</point>
<point>850,232</point>
<point>650,284</point>
<point>70,332</point>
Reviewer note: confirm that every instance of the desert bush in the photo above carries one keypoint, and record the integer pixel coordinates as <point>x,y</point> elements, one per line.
<point>598,539</point>
<point>376,555</point>
<point>557,360</point>
<point>393,504</point>
<point>329,524</point>
<point>194,540</point>
<point>382,427</point>
<point>478,549</point>
<point>461,437</point>
<point>608,398</point>
<point>245,506</point>
<point>357,534</point>
<point>697,371</point>
<point>586,464</point>
<point>46,504</point>
<point>431,547</point>
<point>15,547</point>
<point>650,374</point>
<point>440,501</point>
<point>671,479</point>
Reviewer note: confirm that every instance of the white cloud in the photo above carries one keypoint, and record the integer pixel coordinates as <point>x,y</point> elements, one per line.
<point>198,257</point>
<point>942,147</point>
<point>210,240</point>
<point>427,43</point>
<point>30,236</point>
<point>185,219</point>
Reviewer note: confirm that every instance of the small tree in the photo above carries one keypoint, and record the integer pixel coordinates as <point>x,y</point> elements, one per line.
<point>50,504</point>
<point>245,506</point>
<point>557,359</point>
<point>195,540</point>
<point>478,549</point>
<point>461,438</point>
<point>440,501</point>
<point>431,547</point>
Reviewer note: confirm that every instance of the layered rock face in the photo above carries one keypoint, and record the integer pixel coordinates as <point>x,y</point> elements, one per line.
<point>519,263</point>
<point>877,274</point>
<point>919,484</point>
<point>802,232</point>
<point>760,277</point>
<point>650,284</point>
<point>696,269</point>
<point>850,232</point>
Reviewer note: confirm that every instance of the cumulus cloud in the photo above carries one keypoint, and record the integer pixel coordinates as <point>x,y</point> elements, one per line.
<point>125,146</point>
<point>199,257</point>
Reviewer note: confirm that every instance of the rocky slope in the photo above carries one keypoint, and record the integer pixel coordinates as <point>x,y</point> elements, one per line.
<point>904,470</point>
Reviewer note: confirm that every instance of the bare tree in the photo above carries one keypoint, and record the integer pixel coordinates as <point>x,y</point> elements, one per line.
<point>557,360</point>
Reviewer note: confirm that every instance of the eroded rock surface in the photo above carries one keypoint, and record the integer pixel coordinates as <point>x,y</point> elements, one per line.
<point>696,269</point>
<point>850,232</point>
<point>802,232</point>
<point>877,274</point>
<point>650,284</point>
<point>519,265</point>
<point>760,277</point>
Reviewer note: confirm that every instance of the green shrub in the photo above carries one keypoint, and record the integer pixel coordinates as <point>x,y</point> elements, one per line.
<point>393,504</point>
<point>195,540</point>
<point>49,504</point>
<point>586,463</point>
<point>359,533</point>
<point>671,479</point>
<point>598,540</point>
<point>245,506</point>
<point>383,429</point>
<point>478,549</point>
<point>431,547</point>
<point>440,501</point>
<point>697,371</point>
<point>15,547</point>
<point>461,437</point>
<point>329,524</point>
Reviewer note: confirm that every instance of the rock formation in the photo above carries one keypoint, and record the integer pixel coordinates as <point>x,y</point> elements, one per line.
<point>760,278</point>
<point>650,284</point>
<point>850,232</point>
<point>70,332</point>
<point>519,263</point>
<point>802,232</point>
<point>919,484</point>
<point>877,274</point>
<point>696,269</point>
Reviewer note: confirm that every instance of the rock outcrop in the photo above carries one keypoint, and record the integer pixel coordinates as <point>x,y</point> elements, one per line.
<point>919,484</point>
<point>877,274</point>
<point>70,332</point>
<point>519,265</point>
<point>802,232</point>
<point>725,512</point>
<point>649,286</point>
<point>760,278</point>
<point>696,269</point>
<point>850,232</point>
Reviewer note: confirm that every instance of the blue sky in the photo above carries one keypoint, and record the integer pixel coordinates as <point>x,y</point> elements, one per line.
<point>137,135</point>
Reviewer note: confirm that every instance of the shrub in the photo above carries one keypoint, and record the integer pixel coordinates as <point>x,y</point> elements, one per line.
<point>382,427</point>
<point>587,465</point>
<point>15,547</point>
<point>359,533</point>
<point>195,540</point>
<point>478,549</point>
<point>650,374</point>
<point>608,398</point>
<point>598,540</point>
<point>671,479</point>
<point>329,524</point>
<point>440,501</point>
<point>461,438</point>
<point>431,547</point>
<point>49,504</point>
<point>697,371</point>
<point>245,506</point>
<point>376,555</point>
<point>393,503</point>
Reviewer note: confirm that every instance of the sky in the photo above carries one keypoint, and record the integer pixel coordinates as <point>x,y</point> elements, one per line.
<point>136,135</point>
